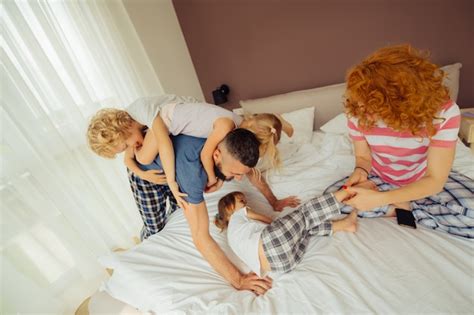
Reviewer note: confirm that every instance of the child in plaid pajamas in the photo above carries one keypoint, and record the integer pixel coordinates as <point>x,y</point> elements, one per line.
<point>279,245</point>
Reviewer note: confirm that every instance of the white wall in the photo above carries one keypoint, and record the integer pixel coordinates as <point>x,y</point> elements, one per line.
<point>157,26</point>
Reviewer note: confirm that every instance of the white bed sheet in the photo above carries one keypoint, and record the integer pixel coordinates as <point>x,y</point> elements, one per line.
<point>383,268</point>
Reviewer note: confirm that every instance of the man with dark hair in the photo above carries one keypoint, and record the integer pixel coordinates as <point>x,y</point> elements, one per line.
<point>240,144</point>
<point>234,157</point>
<point>243,145</point>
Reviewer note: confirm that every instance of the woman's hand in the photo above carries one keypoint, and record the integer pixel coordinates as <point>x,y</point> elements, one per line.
<point>153,176</point>
<point>177,194</point>
<point>367,184</point>
<point>364,199</point>
<point>280,204</point>
<point>357,176</point>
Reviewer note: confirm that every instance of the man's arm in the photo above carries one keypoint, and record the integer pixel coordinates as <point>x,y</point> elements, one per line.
<point>198,220</point>
<point>260,183</point>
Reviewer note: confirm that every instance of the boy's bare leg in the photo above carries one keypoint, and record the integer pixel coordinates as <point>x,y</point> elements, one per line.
<point>348,224</point>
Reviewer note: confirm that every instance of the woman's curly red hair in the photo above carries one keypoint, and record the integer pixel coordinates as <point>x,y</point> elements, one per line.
<point>398,85</point>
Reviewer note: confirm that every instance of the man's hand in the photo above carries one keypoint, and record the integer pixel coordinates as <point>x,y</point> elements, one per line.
<point>154,176</point>
<point>254,283</point>
<point>280,204</point>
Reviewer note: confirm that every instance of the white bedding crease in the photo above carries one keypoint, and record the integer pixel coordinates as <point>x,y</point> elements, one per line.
<point>383,268</point>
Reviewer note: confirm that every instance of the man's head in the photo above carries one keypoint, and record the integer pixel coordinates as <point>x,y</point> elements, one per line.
<point>237,153</point>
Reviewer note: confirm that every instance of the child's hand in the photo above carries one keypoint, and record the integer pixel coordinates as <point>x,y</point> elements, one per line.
<point>154,176</point>
<point>214,187</point>
<point>211,182</point>
<point>136,149</point>
<point>177,194</point>
<point>130,151</point>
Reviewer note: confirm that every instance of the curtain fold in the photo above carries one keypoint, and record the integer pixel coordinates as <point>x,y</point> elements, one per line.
<point>62,206</point>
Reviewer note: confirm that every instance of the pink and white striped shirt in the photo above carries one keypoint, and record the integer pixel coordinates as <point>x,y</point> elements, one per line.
<point>400,158</point>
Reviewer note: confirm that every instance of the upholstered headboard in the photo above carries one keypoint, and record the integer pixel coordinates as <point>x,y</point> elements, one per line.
<point>327,100</point>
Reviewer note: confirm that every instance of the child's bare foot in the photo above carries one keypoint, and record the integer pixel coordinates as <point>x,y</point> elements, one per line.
<point>286,126</point>
<point>348,224</point>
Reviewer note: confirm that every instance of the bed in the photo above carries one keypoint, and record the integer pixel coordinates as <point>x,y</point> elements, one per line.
<point>383,268</point>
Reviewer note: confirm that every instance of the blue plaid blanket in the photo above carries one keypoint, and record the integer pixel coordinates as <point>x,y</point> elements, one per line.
<point>451,210</point>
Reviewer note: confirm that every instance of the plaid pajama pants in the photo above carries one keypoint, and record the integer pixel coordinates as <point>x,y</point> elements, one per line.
<point>151,202</point>
<point>285,239</point>
<point>451,210</point>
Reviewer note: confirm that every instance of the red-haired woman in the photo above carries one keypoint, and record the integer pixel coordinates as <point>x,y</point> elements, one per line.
<point>404,129</point>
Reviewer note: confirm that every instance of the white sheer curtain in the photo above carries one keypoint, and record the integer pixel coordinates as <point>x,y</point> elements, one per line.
<point>61,206</point>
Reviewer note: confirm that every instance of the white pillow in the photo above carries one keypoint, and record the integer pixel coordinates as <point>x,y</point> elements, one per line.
<point>337,125</point>
<point>302,122</point>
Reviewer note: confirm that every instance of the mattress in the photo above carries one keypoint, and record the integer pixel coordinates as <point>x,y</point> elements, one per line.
<point>383,268</point>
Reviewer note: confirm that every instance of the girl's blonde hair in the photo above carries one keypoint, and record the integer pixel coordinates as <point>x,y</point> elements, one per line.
<point>107,130</point>
<point>267,128</point>
<point>226,207</point>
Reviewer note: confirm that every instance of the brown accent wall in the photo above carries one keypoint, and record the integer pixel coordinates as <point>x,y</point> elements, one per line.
<point>264,47</point>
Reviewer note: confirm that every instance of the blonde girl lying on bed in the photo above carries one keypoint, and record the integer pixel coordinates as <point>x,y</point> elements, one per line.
<point>265,245</point>
<point>112,131</point>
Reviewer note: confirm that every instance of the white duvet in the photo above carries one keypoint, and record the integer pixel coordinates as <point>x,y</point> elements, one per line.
<point>383,268</point>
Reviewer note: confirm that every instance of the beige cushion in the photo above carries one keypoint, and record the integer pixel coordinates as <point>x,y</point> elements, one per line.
<point>327,100</point>
<point>452,79</point>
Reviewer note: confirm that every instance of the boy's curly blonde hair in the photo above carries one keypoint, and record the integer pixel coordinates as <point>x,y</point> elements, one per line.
<point>398,85</point>
<point>107,130</point>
